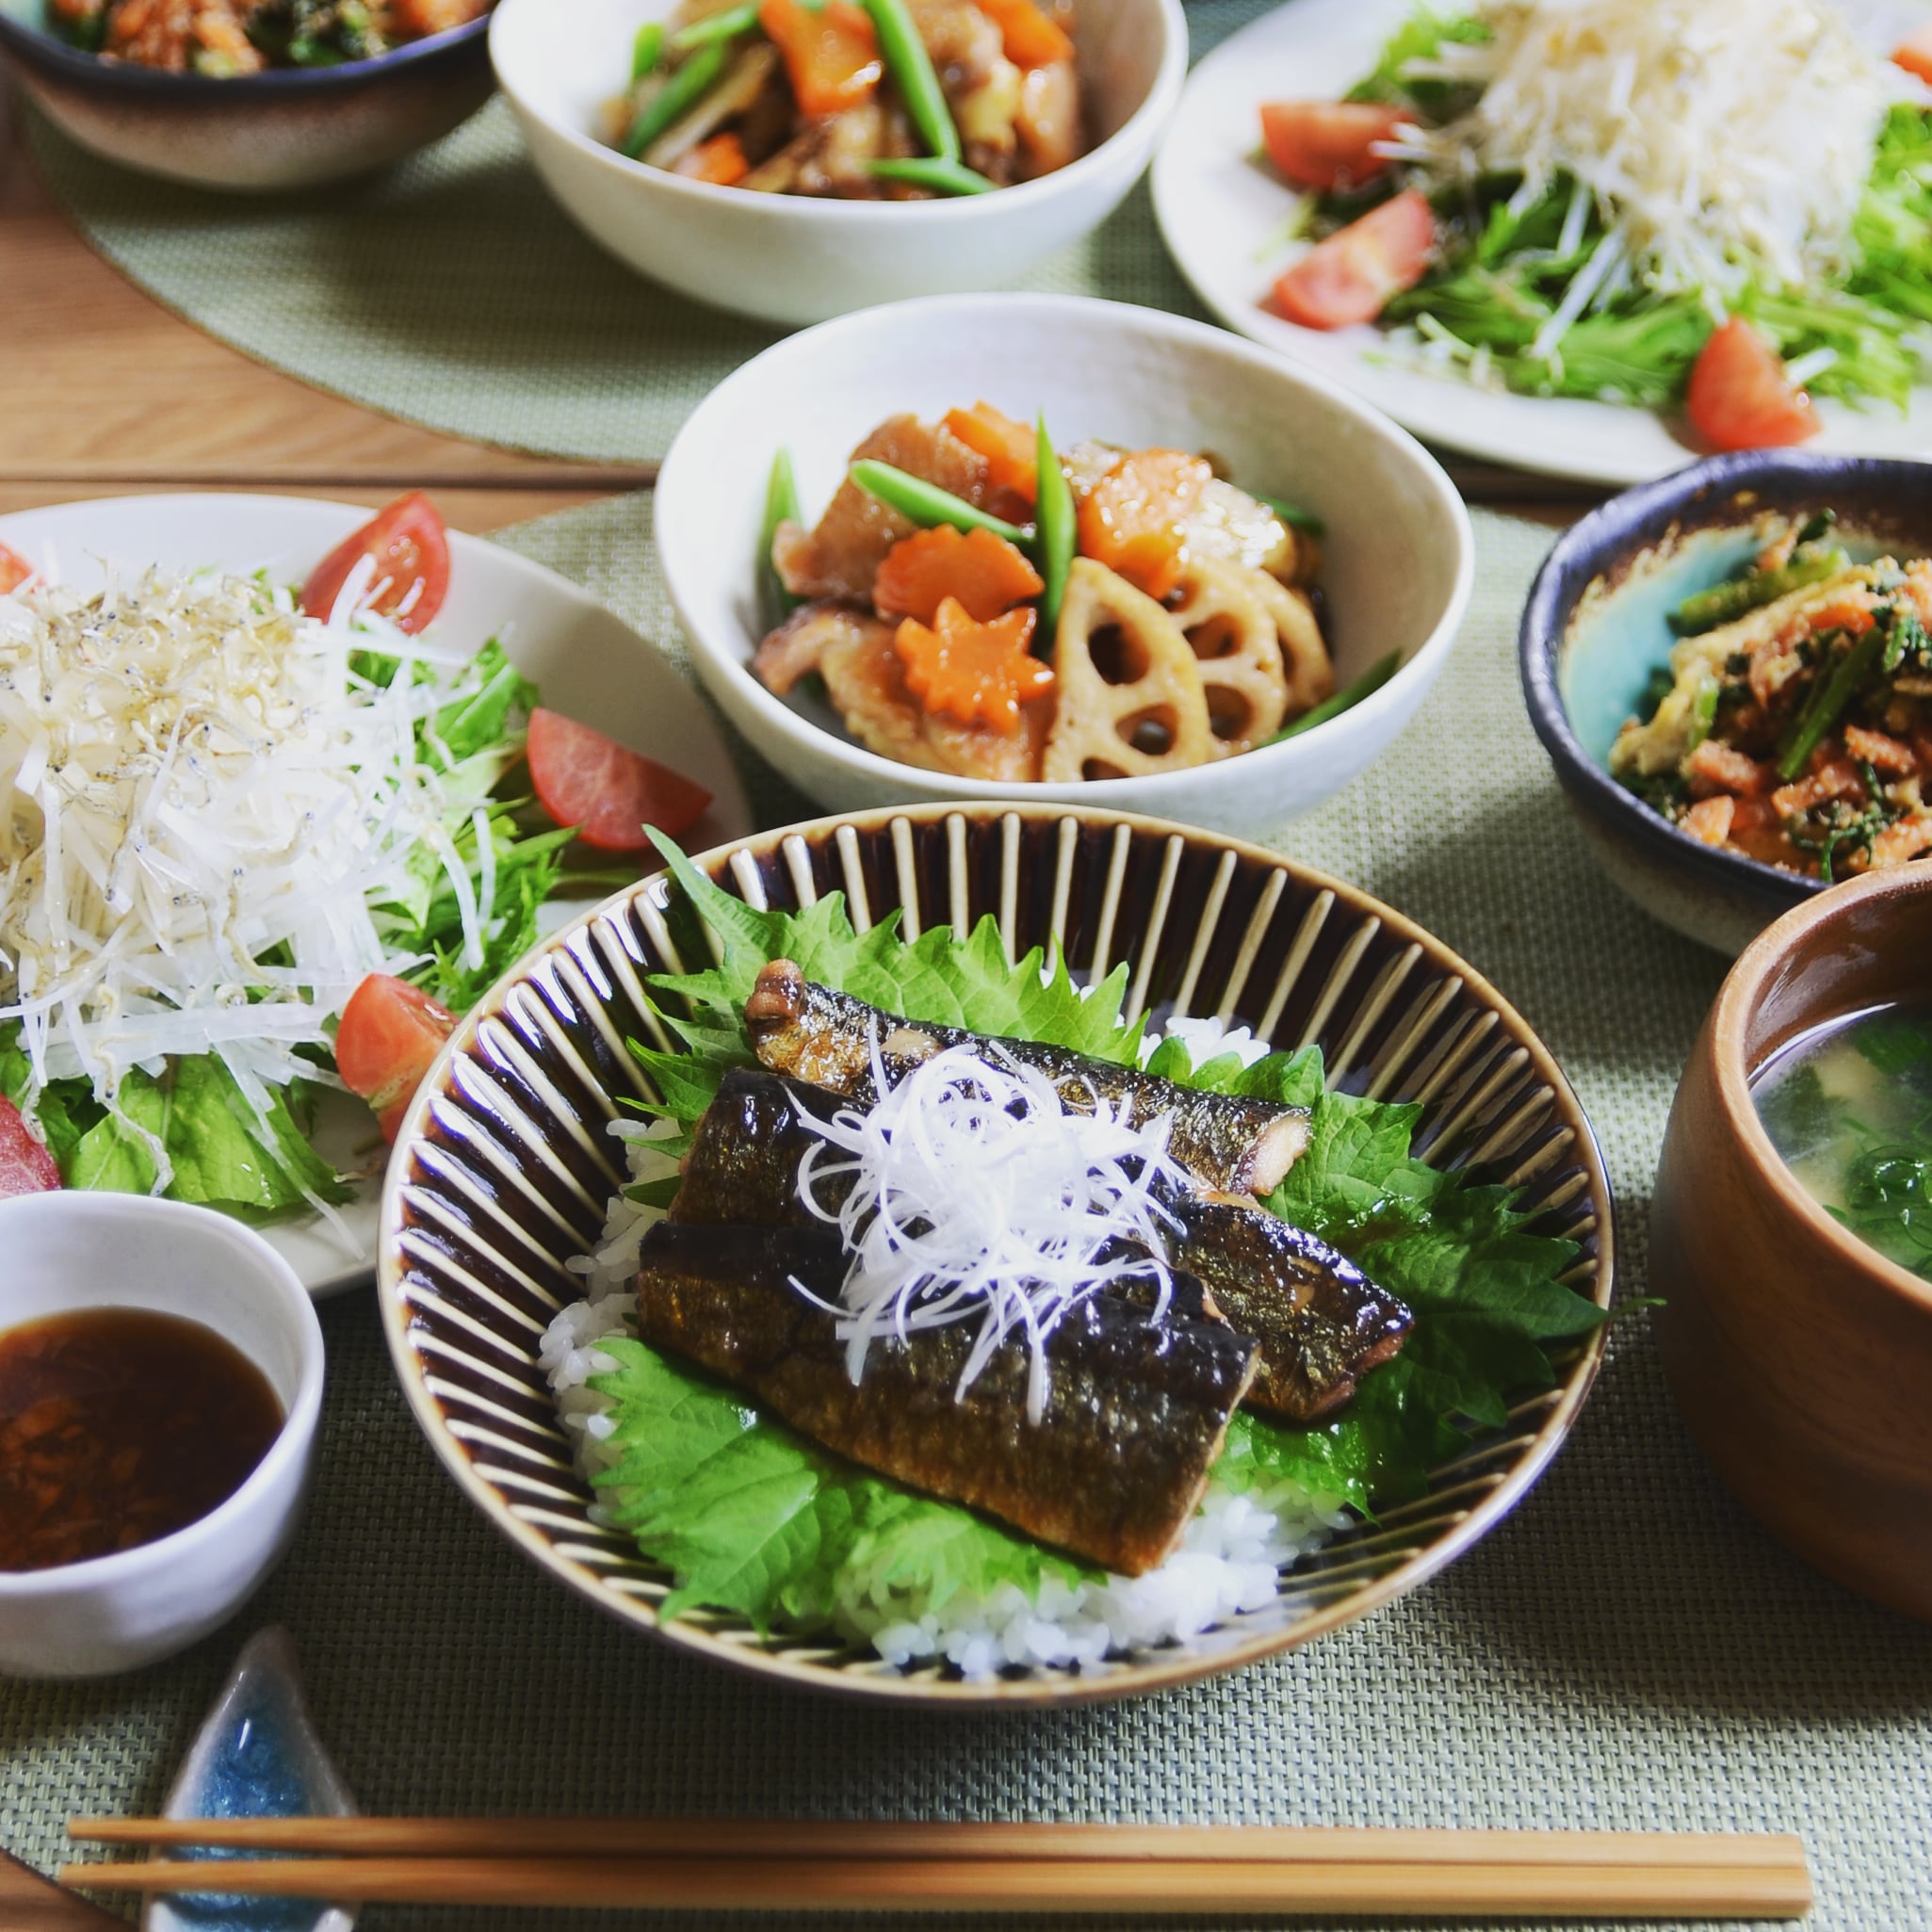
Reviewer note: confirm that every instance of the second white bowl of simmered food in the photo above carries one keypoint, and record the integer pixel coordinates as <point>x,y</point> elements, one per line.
<point>1039,547</point>
<point>795,161</point>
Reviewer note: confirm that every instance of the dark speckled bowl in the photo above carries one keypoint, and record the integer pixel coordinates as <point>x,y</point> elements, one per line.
<point>1633,561</point>
<point>288,128</point>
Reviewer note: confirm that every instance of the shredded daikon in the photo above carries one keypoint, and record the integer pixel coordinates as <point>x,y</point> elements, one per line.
<point>1725,142</point>
<point>200,803</point>
<point>976,1194</point>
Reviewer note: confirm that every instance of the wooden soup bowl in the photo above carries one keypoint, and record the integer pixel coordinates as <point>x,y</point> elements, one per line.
<point>1801,1358</point>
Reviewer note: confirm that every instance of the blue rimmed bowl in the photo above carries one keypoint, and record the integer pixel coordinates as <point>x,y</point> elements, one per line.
<point>1597,625</point>
<point>286,128</point>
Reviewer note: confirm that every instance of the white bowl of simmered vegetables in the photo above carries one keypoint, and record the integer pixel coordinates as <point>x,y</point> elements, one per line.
<point>794,161</point>
<point>1038,549</point>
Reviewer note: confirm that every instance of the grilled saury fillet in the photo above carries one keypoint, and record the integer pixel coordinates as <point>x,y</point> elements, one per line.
<point>1229,1144</point>
<point>1135,1415</point>
<point>1322,1323</point>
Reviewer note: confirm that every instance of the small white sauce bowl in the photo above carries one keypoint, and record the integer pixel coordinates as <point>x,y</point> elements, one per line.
<point>794,258</point>
<point>1399,558</point>
<point>67,1252</point>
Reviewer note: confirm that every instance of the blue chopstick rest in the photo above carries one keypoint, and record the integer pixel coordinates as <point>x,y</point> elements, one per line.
<point>255,1755</point>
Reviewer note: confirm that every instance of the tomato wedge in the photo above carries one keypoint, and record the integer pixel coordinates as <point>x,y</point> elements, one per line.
<point>412,551</point>
<point>389,1033</point>
<point>1914,54</point>
<point>607,790</point>
<point>1327,145</point>
<point>1740,396</point>
<point>1351,276</point>
<point>26,1165</point>
<point>15,570</point>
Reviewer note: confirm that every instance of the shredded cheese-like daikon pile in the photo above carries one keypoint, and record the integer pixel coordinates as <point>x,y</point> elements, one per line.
<point>199,801</point>
<point>976,1195</point>
<point>1724,140</point>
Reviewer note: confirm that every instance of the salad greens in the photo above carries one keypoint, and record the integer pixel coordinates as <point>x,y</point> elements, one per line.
<point>1505,270</point>
<point>753,1518</point>
<point>193,1112</point>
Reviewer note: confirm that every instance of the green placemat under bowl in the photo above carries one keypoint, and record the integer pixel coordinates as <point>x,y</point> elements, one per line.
<point>1627,1651</point>
<point>453,292</point>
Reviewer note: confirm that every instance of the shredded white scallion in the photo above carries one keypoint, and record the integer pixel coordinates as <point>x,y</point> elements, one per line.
<point>1724,141</point>
<point>977,1196</point>
<point>199,805</point>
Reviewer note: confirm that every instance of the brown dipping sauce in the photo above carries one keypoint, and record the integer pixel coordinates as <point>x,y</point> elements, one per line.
<point>117,1426</point>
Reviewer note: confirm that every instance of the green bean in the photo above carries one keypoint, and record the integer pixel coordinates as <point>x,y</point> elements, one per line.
<point>1292,514</point>
<point>1830,702</point>
<point>1726,603</point>
<point>1347,699</point>
<point>929,505</point>
<point>911,68</point>
<point>930,172</point>
<point>646,50</point>
<point>1058,533</point>
<point>716,26</point>
<point>781,505</point>
<point>685,87</point>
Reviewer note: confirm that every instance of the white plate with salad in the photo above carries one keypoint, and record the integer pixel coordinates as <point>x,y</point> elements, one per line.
<point>1702,224</point>
<point>288,788</point>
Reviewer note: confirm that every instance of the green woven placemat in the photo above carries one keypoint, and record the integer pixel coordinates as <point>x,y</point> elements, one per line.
<point>1627,1651</point>
<point>453,292</point>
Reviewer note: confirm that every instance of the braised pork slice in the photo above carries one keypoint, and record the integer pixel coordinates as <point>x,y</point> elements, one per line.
<point>852,650</point>
<point>839,559</point>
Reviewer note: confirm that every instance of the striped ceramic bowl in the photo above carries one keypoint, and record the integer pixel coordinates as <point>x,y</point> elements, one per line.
<point>504,1166</point>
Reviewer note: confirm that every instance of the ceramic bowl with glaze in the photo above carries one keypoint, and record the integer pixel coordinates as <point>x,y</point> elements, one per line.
<point>1398,557</point>
<point>71,1251</point>
<point>256,133</point>
<point>504,1166</point>
<point>1801,1358</point>
<point>801,258</point>
<point>1596,627</point>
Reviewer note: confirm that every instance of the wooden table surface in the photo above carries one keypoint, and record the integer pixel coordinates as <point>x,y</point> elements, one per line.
<point>103,392</point>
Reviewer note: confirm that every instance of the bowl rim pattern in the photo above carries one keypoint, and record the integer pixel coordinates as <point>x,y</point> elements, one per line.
<point>1613,532</point>
<point>50,55</point>
<point>1143,123</point>
<point>1496,1061</point>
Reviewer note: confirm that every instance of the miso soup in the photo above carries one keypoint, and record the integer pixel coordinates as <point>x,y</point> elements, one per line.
<point>1849,1107</point>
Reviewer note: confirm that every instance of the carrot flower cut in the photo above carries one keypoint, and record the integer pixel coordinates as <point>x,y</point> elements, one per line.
<point>1135,518</point>
<point>831,54</point>
<point>974,568</point>
<point>973,672</point>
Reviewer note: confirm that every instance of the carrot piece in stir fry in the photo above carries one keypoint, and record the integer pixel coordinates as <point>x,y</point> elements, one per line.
<point>975,569</point>
<point>1010,448</point>
<point>1134,519</point>
<point>1031,39</point>
<point>831,54</point>
<point>720,160</point>
<point>978,673</point>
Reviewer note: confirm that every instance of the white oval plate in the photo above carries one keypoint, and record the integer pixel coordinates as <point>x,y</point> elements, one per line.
<point>586,662</point>
<point>1219,214</point>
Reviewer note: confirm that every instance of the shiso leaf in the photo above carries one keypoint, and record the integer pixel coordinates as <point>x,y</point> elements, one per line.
<point>753,1518</point>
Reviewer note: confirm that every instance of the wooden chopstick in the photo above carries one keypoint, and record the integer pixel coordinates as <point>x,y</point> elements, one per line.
<point>842,1839</point>
<point>1143,1887</point>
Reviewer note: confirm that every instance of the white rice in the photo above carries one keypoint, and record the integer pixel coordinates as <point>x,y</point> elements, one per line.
<point>1229,1561</point>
